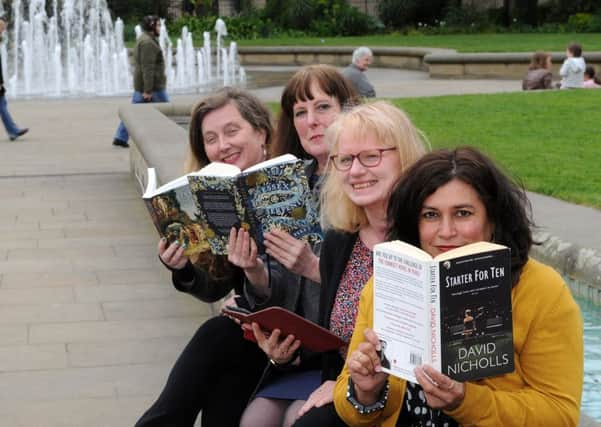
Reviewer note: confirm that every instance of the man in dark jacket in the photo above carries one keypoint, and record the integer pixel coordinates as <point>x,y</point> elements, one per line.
<point>12,129</point>
<point>149,72</point>
<point>355,72</point>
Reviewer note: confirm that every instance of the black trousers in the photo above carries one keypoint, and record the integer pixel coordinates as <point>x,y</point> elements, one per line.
<point>323,416</point>
<point>216,373</point>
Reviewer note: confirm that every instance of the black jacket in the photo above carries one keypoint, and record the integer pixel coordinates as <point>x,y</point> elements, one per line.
<point>336,250</point>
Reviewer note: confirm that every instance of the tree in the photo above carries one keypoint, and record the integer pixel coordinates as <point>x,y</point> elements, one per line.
<point>136,9</point>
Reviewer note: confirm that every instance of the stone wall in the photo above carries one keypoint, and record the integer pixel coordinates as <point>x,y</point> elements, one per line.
<point>440,63</point>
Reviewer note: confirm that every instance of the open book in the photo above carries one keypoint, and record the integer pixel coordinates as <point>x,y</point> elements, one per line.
<point>312,336</point>
<point>452,311</point>
<point>271,195</point>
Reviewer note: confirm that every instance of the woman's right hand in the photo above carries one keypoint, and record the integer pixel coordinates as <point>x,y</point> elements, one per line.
<point>365,369</point>
<point>172,254</point>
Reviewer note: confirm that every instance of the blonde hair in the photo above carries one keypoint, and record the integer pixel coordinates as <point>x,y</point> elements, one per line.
<point>387,124</point>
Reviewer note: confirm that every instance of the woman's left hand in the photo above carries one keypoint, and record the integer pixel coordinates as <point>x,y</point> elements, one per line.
<point>294,254</point>
<point>323,395</point>
<point>279,349</point>
<point>441,391</point>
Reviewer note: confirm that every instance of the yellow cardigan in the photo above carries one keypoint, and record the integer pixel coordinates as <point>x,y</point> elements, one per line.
<point>546,386</point>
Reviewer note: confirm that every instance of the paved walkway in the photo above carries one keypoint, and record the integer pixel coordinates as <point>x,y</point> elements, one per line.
<point>89,323</point>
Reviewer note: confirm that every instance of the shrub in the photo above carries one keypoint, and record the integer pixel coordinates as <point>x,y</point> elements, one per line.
<point>580,22</point>
<point>398,13</point>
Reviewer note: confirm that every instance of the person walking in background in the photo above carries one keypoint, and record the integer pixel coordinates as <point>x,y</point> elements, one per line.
<point>149,72</point>
<point>572,70</point>
<point>539,74</point>
<point>12,129</point>
<point>590,80</point>
<point>355,72</point>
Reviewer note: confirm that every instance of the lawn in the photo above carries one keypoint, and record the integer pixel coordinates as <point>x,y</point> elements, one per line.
<point>548,140</point>
<point>526,42</point>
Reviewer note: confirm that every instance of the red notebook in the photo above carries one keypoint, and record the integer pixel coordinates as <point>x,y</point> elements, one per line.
<point>312,336</point>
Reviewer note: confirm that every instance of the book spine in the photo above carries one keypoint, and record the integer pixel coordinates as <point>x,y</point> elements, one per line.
<point>434,314</point>
<point>248,217</point>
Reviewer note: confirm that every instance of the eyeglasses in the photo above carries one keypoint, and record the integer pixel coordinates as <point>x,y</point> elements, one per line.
<point>368,158</point>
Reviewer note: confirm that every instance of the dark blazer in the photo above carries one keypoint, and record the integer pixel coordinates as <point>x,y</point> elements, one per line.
<point>335,252</point>
<point>202,285</point>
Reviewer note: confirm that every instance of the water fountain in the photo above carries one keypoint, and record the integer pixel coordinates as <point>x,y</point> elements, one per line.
<point>78,50</point>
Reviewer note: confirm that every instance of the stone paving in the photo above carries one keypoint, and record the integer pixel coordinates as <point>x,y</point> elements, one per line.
<point>89,322</point>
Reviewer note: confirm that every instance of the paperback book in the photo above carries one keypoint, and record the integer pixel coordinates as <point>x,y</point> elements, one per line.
<point>452,311</point>
<point>271,195</point>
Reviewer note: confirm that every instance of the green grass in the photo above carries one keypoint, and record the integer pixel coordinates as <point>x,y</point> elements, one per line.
<point>550,141</point>
<point>526,42</point>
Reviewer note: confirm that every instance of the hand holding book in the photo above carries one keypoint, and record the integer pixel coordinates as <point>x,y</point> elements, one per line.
<point>312,336</point>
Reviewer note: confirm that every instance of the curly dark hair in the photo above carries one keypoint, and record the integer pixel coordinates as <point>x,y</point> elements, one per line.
<point>507,206</point>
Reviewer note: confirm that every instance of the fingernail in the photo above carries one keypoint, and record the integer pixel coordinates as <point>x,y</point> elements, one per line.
<point>185,245</point>
<point>176,242</point>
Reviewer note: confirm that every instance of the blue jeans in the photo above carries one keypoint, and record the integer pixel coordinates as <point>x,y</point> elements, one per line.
<point>11,128</point>
<point>137,98</point>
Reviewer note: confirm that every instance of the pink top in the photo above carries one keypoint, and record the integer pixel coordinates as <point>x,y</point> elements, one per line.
<point>358,270</point>
<point>590,84</point>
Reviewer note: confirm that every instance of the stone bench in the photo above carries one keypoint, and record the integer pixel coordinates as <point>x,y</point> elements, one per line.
<point>440,63</point>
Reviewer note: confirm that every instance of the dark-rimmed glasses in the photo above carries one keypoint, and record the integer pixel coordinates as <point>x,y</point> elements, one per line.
<point>368,158</point>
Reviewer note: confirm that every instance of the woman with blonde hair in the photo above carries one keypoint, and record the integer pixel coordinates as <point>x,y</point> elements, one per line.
<point>370,146</point>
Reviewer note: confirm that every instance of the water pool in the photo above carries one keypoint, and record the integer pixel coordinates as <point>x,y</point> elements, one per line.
<point>591,396</point>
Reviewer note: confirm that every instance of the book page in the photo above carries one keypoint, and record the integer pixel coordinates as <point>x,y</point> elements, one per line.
<point>151,187</point>
<point>401,309</point>
<point>472,248</point>
<point>218,169</point>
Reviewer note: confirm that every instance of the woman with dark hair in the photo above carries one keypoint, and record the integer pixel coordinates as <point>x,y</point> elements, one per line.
<point>311,101</point>
<point>230,126</point>
<point>448,199</point>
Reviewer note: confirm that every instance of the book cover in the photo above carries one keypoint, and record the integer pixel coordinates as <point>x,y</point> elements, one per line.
<point>453,312</point>
<point>476,325</point>
<point>221,207</point>
<point>279,197</point>
<point>273,194</point>
<point>312,336</point>
<point>174,213</point>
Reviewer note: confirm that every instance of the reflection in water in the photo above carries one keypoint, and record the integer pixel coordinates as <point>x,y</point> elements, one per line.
<point>591,397</point>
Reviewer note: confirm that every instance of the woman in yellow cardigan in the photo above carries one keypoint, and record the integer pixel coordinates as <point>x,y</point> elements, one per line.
<point>445,200</point>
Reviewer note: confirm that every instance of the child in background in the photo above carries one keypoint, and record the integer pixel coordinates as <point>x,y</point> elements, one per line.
<point>590,80</point>
<point>572,70</point>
